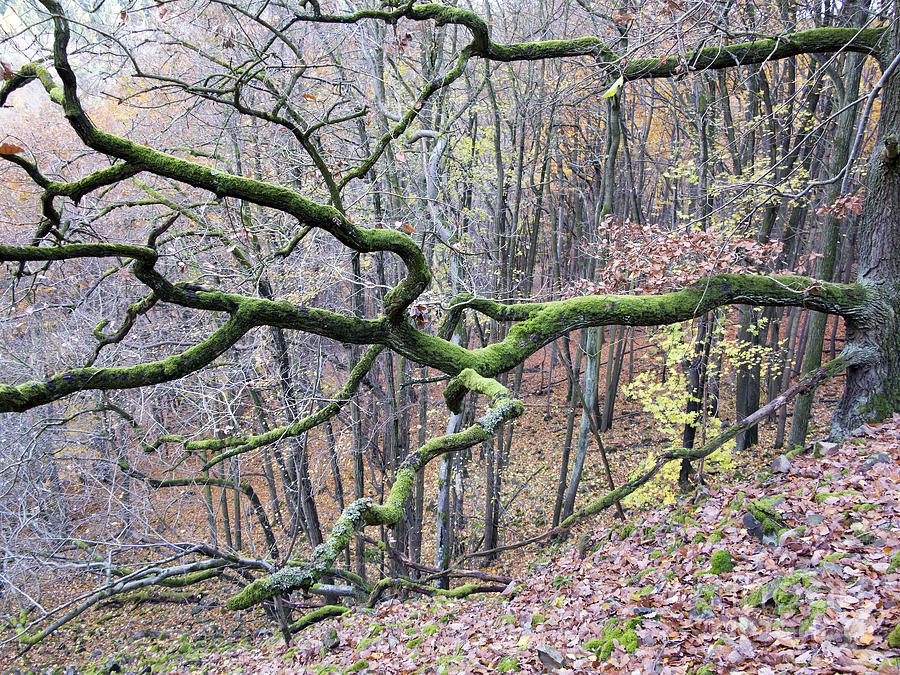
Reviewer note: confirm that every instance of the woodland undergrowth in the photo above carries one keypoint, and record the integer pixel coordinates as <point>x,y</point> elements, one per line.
<point>640,596</point>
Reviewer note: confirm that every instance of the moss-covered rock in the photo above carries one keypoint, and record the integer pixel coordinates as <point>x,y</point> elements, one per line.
<point>765,510</point>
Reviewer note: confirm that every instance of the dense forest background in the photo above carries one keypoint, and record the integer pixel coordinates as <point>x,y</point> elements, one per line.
<point>585,149</point>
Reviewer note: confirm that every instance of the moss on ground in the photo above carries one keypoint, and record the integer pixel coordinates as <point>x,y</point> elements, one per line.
<point>777,593</point>
<point>538,619</point>
<point>893,638</point>
<point>508,664</point>
<point>816,607</point>
<point>615,632</point>
<point>822,496</point>
<point>721,563</point>
<point>895,563</point>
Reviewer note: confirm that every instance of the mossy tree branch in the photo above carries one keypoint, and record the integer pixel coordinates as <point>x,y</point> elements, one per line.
<point>364,512</point>
<point>539,323</point>
<point>241,444</point>
<point>817,40</point>
<point>148,577</point>
<point>286,200</point>
<point>17,398</point>
<point>830,369</point>
<point>457,593</point>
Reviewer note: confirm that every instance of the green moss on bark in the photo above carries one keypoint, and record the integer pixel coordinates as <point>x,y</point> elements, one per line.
<point>317,615</point>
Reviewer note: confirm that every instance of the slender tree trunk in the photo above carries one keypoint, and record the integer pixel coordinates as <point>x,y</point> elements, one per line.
<point>593,350</point>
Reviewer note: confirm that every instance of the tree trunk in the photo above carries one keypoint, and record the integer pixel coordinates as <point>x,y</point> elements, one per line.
<point>873,383</point>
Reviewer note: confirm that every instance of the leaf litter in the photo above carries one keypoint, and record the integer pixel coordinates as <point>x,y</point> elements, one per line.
<point>821,597</point>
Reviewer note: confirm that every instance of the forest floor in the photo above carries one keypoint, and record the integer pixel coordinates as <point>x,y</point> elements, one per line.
<point>821,596</point>
<point>634,597</point>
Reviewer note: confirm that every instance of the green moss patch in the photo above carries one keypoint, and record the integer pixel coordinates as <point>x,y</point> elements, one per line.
<point>765,510</point>
<point>508,664</point>
<point>538,619</point>
<point>777,593</point>
<point>822,496</point>
<point>721,563</point>
<point>895,563</point>
<point>816,607</point>
<point>893,638</point>
<point>615,632</point>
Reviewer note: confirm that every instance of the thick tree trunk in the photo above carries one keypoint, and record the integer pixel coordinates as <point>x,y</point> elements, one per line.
<point>873,383</point>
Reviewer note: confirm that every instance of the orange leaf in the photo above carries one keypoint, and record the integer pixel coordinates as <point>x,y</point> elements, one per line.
<point>10,149</point>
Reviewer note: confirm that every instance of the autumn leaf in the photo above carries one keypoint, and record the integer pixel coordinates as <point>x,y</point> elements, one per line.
<point>614,88</point>
<point>418,313</point>
<point>10,149</point>
<point>6,72</point>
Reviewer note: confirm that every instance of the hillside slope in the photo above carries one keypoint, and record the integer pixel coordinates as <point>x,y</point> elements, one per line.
<point>819,596</point>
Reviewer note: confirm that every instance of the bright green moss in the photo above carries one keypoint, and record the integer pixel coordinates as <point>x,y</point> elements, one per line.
<point>592,646</point>
<point>777,593</point>
<point>822,496</point>
<point>538,619</point>
<point>895,563</point>
<point>765,511</point>
<point>508,664</point>
<point>721,563</point>
<point>506,620</point>
<point>893,638</point>
<point>614,632</point>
